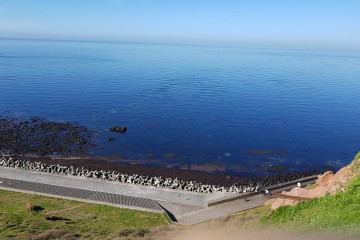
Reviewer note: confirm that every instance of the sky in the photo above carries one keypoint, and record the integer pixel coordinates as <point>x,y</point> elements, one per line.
<point>330,23</point>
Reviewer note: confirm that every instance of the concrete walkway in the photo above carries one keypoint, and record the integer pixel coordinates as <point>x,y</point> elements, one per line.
<point>183,207</point>
<point>161,194</point>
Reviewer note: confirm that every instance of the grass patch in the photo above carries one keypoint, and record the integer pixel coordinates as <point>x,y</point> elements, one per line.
<point>356,164</point>
<point>339,213</point>
<point>85,221</point>
<point>310,186</point>
<point>357,156</point>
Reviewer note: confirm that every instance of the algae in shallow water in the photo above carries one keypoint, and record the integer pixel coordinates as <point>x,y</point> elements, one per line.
<point>40,137</point>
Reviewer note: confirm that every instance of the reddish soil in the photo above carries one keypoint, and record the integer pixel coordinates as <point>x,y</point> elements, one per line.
<point>326,184</point>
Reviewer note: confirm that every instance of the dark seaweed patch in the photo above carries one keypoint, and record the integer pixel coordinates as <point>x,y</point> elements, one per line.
<point>267,152</point>
<point>39,137</point>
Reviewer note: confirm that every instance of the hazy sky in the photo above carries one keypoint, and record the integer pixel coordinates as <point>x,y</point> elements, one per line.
<point>308,22</point>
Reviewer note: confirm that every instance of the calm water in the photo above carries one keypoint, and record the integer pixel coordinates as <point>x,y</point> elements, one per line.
<point>247,111</point>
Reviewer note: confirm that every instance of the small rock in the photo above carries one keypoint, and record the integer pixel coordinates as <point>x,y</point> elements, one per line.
<point>121,129</point>
<point>29,206</point>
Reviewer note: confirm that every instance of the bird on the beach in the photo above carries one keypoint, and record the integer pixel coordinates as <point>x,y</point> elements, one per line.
<point>263,190</point>
<point>267,193</point>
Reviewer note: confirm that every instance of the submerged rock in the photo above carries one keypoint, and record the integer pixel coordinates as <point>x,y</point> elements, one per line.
<point>121,129</point>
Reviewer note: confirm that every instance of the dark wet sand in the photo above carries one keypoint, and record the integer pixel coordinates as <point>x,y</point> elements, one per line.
<point>187,175</point>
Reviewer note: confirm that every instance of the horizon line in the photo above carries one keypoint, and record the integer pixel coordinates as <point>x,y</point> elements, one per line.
<point>290,46</point>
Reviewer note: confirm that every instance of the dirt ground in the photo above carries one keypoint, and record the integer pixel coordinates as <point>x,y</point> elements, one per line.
<point>326,184</point>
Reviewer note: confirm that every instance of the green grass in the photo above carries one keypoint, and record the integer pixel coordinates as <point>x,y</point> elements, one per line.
<point>339,213</point>
<point>357,155</point>
<point>89,221</point>
<point>311,186</point>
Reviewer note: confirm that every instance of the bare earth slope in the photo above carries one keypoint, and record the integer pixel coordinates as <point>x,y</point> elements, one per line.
<point>327,184</point>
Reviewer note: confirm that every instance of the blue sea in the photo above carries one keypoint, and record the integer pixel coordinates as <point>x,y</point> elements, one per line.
<point>237,110</point>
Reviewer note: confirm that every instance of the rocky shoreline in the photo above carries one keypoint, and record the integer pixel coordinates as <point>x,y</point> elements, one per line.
<point>141,175</point>
<point>21,138</point>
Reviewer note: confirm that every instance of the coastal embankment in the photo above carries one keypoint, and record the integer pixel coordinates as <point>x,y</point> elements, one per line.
<point>185,180</point>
